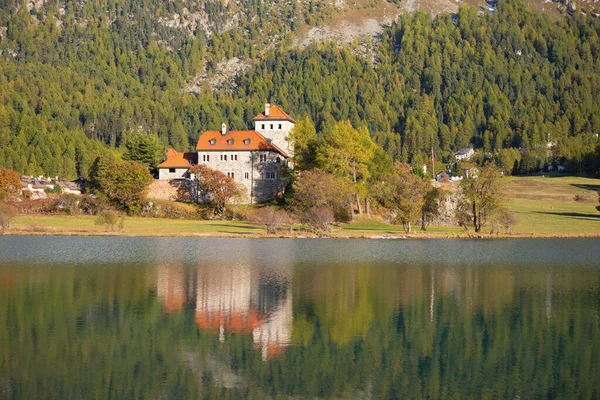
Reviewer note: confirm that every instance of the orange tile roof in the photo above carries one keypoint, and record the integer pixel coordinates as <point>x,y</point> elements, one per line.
<point>236,322</point>
<point>177,160</point>
<point>234,141</point>
<point>275,114</point>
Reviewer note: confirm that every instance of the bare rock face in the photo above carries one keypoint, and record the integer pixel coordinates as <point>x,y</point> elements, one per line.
<point>447,216</point>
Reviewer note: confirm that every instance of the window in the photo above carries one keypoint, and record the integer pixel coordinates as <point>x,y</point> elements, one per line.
<point>246,141</point>
<point>171,170</point>
<point>279,126</point>
<point>230,175</point>
<point>262,157</point>
<point>212,141</point>
<point>271,126</point>
<point>229,141</point>
<point>221,157</point>
<point>246,175</point>
<point>205,157</point>
<point>269,175</point>
<point>278,160</point>
<point>262,126</point>
<point>234,157</point>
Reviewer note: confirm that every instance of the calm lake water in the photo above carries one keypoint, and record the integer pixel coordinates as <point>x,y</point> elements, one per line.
<point>173,318</point>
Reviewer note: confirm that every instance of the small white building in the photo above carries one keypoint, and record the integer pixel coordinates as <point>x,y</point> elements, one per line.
<point>464,154</point>
<point>176,165</point>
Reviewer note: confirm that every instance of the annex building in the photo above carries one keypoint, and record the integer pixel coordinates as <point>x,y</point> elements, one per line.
<point>253,158</point>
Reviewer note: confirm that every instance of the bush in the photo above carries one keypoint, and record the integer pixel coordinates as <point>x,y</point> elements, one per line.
<point>319,218</point>
<point>92,205</point>
<point>10,183</point>
<point>271,218</point>
<point>111,220</point>
<point>66,203</point>
<point>7,214</point>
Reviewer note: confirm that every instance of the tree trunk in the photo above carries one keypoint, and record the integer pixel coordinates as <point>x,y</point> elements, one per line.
<point>368,206</point>
<point>423,222</point>
<point>359,205</point>
<point>475,221</point>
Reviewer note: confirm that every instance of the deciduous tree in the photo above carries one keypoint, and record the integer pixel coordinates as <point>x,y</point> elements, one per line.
<point>10,183</point>
<point>317,188</point>
<point>403,194</point>
<point>346,152</point>
<point>124,183</point>
<point>213,187</point>
<point>482,195</point>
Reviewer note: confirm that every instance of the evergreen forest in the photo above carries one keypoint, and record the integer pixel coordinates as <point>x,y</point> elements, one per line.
<point>78,78</point>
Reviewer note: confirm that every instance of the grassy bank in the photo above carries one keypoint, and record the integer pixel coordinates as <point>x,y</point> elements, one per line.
<point>544,206</point>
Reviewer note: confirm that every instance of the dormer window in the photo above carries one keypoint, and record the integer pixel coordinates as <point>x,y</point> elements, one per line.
<point>230,141</point>
<point>247,141</point>
<point>212,141</point>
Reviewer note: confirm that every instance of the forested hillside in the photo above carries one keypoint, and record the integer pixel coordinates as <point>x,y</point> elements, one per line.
<point>77,77</point>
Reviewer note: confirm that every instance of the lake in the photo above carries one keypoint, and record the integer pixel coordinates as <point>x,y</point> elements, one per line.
<point>181,318</point>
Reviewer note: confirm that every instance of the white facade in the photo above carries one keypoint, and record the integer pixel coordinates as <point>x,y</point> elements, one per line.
<point>277,131</point>
<point>172,173</point>
<point>258,171</point>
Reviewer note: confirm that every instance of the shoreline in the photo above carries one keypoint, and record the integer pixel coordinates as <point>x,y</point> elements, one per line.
<point>309,235</point>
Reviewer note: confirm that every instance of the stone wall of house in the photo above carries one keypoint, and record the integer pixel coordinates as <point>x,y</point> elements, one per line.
<point>258,171</point>
<point>162,190</point>
<point>178,173</point>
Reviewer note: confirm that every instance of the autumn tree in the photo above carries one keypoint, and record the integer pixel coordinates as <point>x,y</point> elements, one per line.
<point>304,138</point>
<point>7,215</point>
<point>144,148</point>
<point>431,206</point>
<point>403,194</point>
<point>346,152</point>
<point>10,183</point>
<point>482,195</point>
<point>124,183</point>
<point>270,218</point>
<point>317,188</point>
<point>213,187</point>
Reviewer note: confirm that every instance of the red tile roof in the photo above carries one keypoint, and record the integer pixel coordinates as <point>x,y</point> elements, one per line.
<point>178,160</point>
<point>235,322</point>
<point>235,141</point>
<point>275,114</point>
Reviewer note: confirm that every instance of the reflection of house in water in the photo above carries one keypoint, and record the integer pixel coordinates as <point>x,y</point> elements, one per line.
<point>240,299</point>
<point>171,287</point>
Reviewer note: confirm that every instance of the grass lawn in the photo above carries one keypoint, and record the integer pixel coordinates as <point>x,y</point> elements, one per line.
<point>43,224</point>
<point>543,206</point>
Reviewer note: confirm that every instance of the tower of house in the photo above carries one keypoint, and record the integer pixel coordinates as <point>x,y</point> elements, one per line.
<point>275,125</point>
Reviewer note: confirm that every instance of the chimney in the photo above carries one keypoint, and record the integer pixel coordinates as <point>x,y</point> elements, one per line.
<point>267,109</point>
<point>223,129</point>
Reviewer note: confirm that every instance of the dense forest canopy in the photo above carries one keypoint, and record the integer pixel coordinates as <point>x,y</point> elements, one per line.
<point>76,80</point>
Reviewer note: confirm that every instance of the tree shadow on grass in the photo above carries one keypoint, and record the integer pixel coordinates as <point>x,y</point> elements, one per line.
<point>241,227</point>
<point>587,187</point>
<point>591,217</point>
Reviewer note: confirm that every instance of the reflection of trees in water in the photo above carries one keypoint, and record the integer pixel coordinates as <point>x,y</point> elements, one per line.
<point>357,330</point>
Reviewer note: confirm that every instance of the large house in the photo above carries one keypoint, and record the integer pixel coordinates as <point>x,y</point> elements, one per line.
<point>253,158</point>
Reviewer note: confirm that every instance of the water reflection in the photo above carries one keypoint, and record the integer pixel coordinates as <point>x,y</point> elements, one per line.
<point>234,299</point>
<point>277,323</point>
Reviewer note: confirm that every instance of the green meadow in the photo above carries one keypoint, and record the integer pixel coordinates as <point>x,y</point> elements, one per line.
<point>543,206</point>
